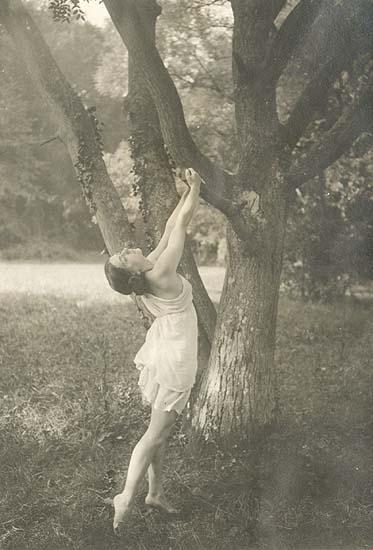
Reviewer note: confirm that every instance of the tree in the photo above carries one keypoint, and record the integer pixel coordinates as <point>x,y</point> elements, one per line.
<point>236,396</point>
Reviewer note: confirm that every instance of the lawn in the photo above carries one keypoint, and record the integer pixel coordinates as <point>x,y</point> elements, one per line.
<point>70,414</point>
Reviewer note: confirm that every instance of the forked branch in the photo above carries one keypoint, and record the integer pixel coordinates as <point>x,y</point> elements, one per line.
<point>129,17</point>
<point>290,36</point>
<point>313,98</point>
<point>336,141</point>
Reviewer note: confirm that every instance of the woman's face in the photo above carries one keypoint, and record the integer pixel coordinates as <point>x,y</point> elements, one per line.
<point>131,259</point>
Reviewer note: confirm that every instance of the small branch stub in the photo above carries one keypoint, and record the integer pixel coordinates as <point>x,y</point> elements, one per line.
<point>54,138</point>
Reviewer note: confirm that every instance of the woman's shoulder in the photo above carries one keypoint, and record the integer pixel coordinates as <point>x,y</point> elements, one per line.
<point>164,286</point>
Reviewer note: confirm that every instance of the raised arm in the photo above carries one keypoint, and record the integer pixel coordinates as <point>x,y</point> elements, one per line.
<point>169,259</point>
<point>187,210</point>
<point>154,254</point>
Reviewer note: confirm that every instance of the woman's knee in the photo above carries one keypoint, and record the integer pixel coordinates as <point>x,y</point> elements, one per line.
<point>155,439</point>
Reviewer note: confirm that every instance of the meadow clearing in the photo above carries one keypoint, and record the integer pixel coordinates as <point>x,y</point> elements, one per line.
<point>71,412</point>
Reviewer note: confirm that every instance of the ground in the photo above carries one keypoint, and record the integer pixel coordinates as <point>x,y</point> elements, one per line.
<point>70,414</point>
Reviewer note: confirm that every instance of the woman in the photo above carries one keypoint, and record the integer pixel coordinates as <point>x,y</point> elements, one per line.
<point>168,359</point>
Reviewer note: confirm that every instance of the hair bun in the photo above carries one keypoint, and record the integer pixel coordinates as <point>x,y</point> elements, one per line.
<point>137,283</point>
<point>124,282</point>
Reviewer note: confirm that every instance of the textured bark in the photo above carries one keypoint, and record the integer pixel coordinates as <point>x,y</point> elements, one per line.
<point>237,394</point>
<point>292,32</point>
<point>131,20</point>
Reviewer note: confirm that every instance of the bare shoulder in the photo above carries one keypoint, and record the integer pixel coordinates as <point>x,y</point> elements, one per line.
<point>167,286</point>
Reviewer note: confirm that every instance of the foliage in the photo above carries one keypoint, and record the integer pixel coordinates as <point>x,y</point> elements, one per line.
<point>329,234</point>
<point>77,49</point>
<point>120,167</point>
<point>208,233</point>
<point>43,250</point>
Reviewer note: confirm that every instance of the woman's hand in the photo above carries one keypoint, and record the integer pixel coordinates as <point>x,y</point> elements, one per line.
<point>182,186</point>
<point>192,178</point>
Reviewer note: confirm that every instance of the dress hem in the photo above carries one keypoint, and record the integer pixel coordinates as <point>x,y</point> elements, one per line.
<point>160,397</point>
<point>141,366</point>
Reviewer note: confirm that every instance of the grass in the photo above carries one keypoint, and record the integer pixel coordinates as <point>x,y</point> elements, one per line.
<point>71,413</point>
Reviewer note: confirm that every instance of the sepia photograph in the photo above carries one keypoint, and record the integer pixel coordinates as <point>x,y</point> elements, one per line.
<point>186,274</point>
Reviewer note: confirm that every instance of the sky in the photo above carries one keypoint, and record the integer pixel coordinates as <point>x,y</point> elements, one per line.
<point>94,9</point>
<point>96,12</point>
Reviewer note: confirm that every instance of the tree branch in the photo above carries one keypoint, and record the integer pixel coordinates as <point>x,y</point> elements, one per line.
<point>276,7</point>
<point>336,141</point>
<point>218,189</point>
<point>215,85</point>
<point>289,36</point>
<point>313,98</point>
<point>344,34</point>
<point>49,140</point>
<point>199,83</point>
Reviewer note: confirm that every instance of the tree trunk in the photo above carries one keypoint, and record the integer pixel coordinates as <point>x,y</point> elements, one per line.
<point>237,397</point>
<point>237,394</point>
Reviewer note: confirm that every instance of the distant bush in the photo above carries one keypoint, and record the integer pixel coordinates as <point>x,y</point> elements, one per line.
<point>43,250</point>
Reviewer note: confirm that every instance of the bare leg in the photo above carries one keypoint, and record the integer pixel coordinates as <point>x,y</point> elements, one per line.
<point>156,497</point>
<point>153,439</point>
<point>155,472</point>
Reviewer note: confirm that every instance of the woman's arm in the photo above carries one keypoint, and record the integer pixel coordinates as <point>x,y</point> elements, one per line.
<point>169,260</point>
<point>191,202</point>
<point>154,254</point>
<point>172,219</point>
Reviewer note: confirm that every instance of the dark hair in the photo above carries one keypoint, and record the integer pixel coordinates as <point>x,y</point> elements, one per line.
<point>125,282</point>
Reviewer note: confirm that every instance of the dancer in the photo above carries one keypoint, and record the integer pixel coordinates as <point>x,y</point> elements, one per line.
<point>168,359</point>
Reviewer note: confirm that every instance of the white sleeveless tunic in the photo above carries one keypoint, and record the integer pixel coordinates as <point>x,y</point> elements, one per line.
<point>168,358</point>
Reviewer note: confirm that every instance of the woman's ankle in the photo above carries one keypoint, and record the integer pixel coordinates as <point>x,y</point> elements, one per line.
<point>124,500</point>
<point>155,493</point>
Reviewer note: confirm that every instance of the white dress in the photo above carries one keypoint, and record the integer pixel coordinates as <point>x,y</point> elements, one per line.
<point>168,358</point>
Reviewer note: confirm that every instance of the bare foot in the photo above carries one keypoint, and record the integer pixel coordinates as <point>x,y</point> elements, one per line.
<point>122,511</point>
<point>160,503</point>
